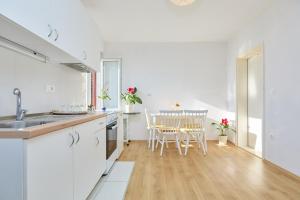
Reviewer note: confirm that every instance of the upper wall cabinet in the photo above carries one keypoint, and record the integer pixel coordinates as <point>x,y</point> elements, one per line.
<point>64,24</point>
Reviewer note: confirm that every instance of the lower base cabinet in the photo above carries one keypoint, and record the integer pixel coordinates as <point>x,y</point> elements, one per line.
<point>66,164</point>
<point>49,164</point>
<point>89,158</point>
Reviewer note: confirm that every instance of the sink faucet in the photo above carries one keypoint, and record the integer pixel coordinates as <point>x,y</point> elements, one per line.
<point>20,114</point>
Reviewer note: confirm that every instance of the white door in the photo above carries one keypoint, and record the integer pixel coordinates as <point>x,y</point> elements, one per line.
<point>241,101</point>
<point>49,166</point>
<point>255,103</point>
<point>249,92</point>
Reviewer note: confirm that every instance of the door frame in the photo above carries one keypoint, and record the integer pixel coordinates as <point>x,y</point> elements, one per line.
<point>259,50</point>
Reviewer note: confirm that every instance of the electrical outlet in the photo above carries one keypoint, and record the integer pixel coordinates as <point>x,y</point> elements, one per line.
<point>50,88</point>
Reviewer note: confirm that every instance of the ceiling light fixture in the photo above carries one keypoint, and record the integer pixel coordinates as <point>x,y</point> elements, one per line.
<point>182,2</point>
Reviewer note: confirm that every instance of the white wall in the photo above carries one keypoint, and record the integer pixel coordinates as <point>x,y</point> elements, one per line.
<point>278,30</point>
<point>193,74</point>
<point>32,76</point>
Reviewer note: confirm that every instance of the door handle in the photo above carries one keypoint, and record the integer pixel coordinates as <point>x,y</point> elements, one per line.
<point>78,137</point>
<point>51,31</point>
<point>98,141</point>
<point>114,127</point>
<point>57,35</point>
<point>73,140</point>
<point>84,55</point>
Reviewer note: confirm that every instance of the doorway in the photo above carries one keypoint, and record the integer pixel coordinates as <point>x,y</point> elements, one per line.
<point>250,101</point>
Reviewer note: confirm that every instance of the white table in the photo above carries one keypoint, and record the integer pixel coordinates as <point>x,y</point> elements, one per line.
<point>126,118</point>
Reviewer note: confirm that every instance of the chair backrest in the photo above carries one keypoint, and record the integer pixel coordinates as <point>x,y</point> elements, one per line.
<point>148,119</point>
<point>169,119</point>
<point>171,111</point>
<point>194,119</point>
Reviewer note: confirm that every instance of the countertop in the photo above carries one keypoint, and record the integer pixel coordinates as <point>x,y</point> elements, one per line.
<point>34,131</point>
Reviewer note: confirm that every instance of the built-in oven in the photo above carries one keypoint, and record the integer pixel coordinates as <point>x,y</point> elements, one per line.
<point>111,140</point>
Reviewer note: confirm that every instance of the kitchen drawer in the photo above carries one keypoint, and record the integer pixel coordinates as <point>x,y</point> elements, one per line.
<point>97,124</point>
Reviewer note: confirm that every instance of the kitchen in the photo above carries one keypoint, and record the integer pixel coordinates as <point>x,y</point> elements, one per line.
<point>141,99</point>
<point>38,79</point>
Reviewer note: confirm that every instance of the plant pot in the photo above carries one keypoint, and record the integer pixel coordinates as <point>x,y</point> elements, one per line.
<point>129,108</point>
<point>223,140</point>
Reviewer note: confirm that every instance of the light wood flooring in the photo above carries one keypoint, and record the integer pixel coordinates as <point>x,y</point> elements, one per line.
<point>225,173</point>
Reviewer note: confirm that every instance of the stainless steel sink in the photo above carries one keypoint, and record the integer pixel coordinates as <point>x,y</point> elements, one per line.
<point>34,121</point>
<point>23,124</point>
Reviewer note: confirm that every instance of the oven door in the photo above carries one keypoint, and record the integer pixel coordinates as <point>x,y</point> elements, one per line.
<point>111,138</point>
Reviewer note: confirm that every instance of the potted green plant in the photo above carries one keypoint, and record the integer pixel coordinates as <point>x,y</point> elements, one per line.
<point>130,98</point>
<point>223,128</point>
<point>104,97</point>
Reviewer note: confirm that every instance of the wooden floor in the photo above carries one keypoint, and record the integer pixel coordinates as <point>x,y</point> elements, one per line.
<point>225,173</point>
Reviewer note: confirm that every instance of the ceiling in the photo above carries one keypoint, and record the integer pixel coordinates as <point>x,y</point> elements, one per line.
<point>161,21</point>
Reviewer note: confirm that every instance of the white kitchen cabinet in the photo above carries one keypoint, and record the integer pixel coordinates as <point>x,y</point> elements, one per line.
<point>62,165</point>
<point>34,15</point>
<point>49,166</point>
<point>120,140</point>
<point>64,24</point>
<point>77,32</point>
<point>100,155</point>
<point>89,157</point>
<point>83,161</point>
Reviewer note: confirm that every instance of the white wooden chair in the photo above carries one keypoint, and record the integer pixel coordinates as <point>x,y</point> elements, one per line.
<point>150,129</point>
<point>193,126</point>
<point>168,124</point>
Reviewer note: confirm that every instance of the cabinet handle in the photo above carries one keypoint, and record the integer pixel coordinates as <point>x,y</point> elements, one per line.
<point>51,31</point>
<point>114,127</point>
<point>84,55</point>
<point>78,137</point>
<point>57,35</point>
<point>73,140</point>
<point>98,141</point>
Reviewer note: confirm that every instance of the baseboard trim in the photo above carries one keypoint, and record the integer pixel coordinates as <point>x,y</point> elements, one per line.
<point>282,170</point>
<point>271,164</point>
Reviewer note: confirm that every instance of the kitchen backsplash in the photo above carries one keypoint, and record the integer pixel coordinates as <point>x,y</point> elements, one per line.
<point>44,86</point>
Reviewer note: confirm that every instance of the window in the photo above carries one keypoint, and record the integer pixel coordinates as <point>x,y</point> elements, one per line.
<point>111,81</point>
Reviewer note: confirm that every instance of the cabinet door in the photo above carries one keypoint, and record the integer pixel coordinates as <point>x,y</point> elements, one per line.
<point>68,26</point>
<point>86,158</point>
<point>100,153</point>
<point>33,15</point>
<point>49,166</point>
<point>71,28</point>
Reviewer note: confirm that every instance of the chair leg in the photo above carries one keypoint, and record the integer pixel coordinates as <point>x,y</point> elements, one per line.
<point>166,141</point>
<point>157,141</point>
<point>198,140</point>
<point>178,145</point>
<point>153,139</point>
<point>150,139</point>
<point>201,142</point>
<point>205,142</point>
<point>187,143</point>
<point>203,148</point>
<point>162,146</point>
